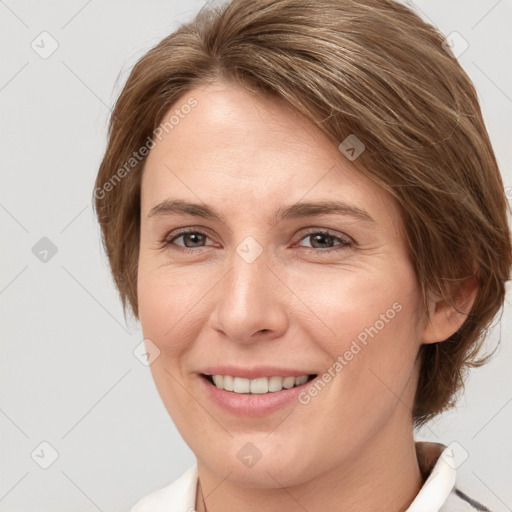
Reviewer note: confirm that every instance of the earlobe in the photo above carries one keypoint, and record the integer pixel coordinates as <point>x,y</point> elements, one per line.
<point>445,316</point>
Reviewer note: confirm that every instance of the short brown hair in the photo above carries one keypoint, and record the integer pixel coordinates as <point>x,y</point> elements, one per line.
<point>371,68</point>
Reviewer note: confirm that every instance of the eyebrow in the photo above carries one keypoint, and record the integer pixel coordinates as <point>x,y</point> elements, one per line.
<point>293,211</point>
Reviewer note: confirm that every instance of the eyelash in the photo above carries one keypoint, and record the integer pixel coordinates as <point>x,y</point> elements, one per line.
<point>168,242</point>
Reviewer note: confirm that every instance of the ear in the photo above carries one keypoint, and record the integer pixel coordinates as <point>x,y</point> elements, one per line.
<point>447,318</point>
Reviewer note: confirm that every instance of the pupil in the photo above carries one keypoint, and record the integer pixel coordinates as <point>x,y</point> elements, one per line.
<point>193,235</point>
<point>320,237</point>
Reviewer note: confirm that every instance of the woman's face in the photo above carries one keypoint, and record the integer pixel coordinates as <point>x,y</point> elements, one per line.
<point>256,289</point>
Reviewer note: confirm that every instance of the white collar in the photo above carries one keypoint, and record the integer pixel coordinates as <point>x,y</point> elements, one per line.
<point>440,481</point>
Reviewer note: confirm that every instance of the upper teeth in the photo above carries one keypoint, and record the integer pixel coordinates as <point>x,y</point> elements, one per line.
<point>258,386</point>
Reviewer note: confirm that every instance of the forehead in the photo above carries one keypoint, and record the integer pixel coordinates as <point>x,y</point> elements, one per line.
<point>250,151</point>
<point>234,131</point>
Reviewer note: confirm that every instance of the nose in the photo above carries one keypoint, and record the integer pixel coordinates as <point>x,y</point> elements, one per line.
<point>252,301</point>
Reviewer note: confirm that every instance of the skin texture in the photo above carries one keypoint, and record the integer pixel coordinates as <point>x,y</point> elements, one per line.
<point>351,447</point>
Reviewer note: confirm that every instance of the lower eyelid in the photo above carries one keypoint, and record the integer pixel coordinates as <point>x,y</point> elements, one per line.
<point>170,241</point>
<point>343,242</point>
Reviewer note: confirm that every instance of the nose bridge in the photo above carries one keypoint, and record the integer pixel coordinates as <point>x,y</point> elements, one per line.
<point>250,300</point>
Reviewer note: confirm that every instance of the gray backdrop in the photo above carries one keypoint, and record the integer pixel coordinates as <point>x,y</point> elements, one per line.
<point>74,398</point>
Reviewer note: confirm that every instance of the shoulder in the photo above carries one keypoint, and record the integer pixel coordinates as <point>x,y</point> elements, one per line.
<point>459,501</point>
<point>442,490</point>
<point>181,494</point>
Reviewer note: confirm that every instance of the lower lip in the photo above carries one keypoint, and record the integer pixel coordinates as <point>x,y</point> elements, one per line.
<point>246,404</point>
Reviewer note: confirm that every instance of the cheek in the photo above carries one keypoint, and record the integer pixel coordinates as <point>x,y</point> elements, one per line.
<point>367,325</point>
<point>345,301</point>
<point>166,313</point>
<point>166,302</point>
<point>333,307</point>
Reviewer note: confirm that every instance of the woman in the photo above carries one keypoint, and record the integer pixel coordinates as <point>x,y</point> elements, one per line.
<point>301,205</point>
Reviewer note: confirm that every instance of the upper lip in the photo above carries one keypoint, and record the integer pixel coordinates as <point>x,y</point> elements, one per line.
<point>254,372</point>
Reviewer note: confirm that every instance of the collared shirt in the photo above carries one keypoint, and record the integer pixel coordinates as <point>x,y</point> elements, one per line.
<point>439,493</point>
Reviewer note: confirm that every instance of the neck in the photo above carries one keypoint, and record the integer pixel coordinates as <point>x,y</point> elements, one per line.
<point>383,476</point>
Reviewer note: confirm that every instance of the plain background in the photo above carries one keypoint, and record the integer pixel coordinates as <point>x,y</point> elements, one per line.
<point>68,374</point>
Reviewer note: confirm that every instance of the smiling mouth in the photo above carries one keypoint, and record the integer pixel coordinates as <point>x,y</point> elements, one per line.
<point>262,385</point>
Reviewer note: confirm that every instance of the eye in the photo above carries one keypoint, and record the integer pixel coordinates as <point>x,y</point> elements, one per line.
<point>320,238</point>
<point>322,241</point>
<point>193,237</point>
